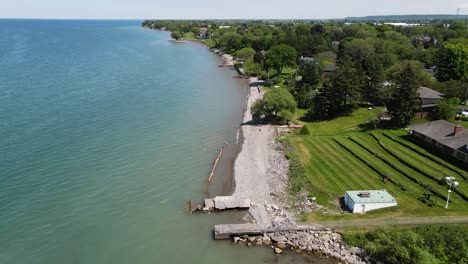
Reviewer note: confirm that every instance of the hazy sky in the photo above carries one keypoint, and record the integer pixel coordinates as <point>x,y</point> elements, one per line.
<point>199,9</point>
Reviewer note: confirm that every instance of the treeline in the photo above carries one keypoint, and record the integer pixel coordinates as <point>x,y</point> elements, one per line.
<point>425,244</point>
<point>330,68</point>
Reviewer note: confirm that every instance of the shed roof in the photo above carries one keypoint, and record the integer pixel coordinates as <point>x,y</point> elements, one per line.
<point>376,196</point>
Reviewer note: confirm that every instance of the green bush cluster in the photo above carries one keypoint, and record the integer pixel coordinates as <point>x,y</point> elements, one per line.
<point>418,245</point>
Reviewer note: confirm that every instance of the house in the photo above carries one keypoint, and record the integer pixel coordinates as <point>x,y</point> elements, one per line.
<point>306,60</point>
<point>203,33</point>
<point>363,201</point>
<point>444,136</point>
<point>335,44</point>
<point>329,69</point>
<point>431,70</point>
<point>429,100</point>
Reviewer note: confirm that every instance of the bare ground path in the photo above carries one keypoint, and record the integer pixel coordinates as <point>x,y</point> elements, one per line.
<point>452,220</point>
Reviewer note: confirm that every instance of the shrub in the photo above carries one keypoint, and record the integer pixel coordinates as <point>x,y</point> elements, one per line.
<point>304,131</point>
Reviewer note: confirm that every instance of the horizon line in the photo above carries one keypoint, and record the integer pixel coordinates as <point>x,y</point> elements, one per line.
<point>201,19</point>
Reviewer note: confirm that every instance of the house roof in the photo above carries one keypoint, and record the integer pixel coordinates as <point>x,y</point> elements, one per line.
<point>330,68</point>
<point>307,59</point>
<point>375,196</point>
<point>442,131</point>
<point>428,93</point>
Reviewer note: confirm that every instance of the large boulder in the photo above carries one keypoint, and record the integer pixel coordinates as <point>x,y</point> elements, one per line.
<point>278,238</point>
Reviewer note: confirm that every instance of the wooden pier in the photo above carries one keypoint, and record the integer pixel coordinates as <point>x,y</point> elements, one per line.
<point>230,230</point>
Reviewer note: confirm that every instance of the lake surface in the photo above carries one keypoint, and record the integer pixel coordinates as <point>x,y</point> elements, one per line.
<point>106,131</point>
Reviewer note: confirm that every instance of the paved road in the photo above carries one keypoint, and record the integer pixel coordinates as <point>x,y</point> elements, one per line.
<point>397,221</point>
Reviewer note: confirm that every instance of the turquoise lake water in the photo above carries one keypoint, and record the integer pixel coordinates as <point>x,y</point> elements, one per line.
<point>106,131</point>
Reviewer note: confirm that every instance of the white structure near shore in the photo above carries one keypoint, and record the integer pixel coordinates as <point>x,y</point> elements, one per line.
<point>364,201</point>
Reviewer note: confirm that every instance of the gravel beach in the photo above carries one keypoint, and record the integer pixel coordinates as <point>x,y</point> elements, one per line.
<point>260,170</point>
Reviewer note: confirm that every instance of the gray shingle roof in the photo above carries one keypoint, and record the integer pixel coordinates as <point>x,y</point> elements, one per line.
<point>329,68</point>
<point>428,93</point>
<point>442,131</point>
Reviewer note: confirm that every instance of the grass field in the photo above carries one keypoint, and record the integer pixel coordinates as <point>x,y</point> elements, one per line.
<point>337,157</point>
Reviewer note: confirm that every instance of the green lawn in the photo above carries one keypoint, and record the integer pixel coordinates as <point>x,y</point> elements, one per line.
<point>337,157</point>
<point>340,125</point>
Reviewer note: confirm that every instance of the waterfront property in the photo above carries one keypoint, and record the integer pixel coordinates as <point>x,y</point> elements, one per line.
<point>364,201</point>
<point>337,158</point>
<point>442,135</point>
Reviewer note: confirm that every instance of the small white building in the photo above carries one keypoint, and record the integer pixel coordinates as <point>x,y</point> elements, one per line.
<point>363,201</point>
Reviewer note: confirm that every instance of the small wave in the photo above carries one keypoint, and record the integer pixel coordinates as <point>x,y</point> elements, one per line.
<point>237,136</point>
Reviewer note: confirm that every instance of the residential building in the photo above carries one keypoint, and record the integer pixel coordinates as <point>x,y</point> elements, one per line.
<point>444,136</point>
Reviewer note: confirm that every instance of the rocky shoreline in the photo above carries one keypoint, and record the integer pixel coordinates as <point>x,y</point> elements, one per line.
<point>324,242</point>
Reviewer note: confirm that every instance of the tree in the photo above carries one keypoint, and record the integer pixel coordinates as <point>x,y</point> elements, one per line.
<point>404,101</point>
<point>176,35</point>
<point>277,105</point>
<point>373,85</point>
<point>231,41</point>
<point>311,74</point>
<point>355,50</point>
<point>281,56</point>
<point>346,84</point>
<point>304,95</point>
<point>420,76</point>
<point>444,110</point>
<point>321,108</point>
<point>452,62</point>
<point>338,94</point>
<point>246,54</point>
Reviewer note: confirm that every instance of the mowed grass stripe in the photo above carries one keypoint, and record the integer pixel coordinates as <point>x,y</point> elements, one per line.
<point>317,170</point>
<point>328,165</point>
<point>416,190</point>
<point>423,163</point>
<point>313,170</point>
<point>434,158</point>
<point>440,166</point>
<point>372,144</point>
<point>362,176</point>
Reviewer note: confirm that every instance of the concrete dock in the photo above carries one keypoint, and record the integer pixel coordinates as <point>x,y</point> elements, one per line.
<point>220,203</point>
<point>227,231</point>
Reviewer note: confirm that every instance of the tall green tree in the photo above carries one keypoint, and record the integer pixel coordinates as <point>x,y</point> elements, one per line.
<point>281,56</point>
<point>404,101</point>
<point>372,90</point>
<point>311,74</point>
<point>338,94</point>
<point>246,54</point>
<point>346,84</point>
<point>277,105</point>
<point>322,106</point>
<point>231,41</point>
<point>176,35</point>
<point>452,62</point>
